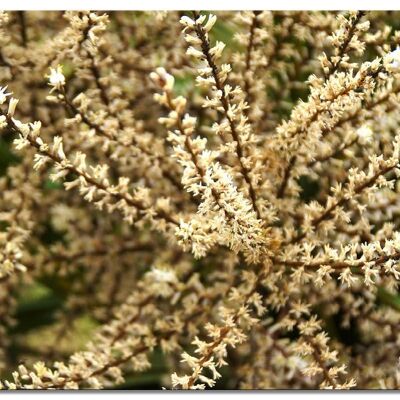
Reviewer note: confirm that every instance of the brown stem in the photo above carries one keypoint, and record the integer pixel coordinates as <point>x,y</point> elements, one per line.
<point>205,45</point>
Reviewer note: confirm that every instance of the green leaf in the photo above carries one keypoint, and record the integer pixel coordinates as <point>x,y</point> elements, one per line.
<point>389,299</point>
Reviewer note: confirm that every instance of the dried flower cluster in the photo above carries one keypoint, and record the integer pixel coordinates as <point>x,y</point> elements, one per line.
<point>199,201</point>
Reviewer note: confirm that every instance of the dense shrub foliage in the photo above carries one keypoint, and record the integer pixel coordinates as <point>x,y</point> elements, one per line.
<point>191,200</point>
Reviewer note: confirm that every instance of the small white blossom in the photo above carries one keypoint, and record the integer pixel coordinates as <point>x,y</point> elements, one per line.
<point>186,21</point>
<point>3,121</point>
<point>11,106</point>
<point>394,58</point>
<point>217,50</point>
<point>163,275</point>
<point>3,94</point>
<point>162,78</point>
<point>56,78</point>
<point>212,19</point>
<point>365,134</point>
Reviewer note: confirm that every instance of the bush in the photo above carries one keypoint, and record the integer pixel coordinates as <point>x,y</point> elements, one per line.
<point>222,192</point>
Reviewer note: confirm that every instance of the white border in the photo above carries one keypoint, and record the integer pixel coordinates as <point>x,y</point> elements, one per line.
<point>200,4</point>
<point>203,5</point>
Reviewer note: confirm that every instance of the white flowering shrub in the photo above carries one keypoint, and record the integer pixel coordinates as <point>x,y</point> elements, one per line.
<point>195,201</point>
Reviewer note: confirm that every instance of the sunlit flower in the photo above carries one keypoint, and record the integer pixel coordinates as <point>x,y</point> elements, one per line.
<point>56,78</point>
<point>3,94</point>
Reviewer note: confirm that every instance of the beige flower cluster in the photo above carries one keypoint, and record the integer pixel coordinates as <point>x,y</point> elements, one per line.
<point>207,198</point>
